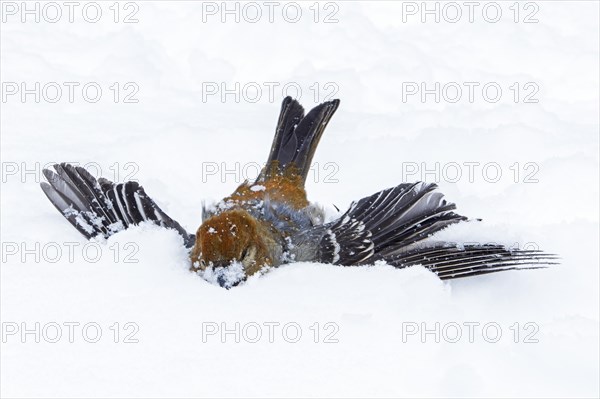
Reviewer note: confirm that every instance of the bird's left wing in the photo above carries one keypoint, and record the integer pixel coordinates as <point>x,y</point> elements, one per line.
<point>101,207</point>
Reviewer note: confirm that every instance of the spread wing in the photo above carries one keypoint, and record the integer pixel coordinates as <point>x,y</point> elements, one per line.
<point>387,225</point>
<point>101,207</point>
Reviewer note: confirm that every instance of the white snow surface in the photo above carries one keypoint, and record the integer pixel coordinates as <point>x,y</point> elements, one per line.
<point>171,141</point>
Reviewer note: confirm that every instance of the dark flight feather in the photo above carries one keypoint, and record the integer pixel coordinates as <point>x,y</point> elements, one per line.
<point>389,224</point>
<point>451,261</point>
<point>100,207</point>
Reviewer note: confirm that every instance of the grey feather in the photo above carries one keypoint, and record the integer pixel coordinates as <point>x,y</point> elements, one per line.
<point>100,207</point>
<point>391,226</point>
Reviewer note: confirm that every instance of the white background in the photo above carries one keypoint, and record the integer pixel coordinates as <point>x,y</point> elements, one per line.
<point>175,134</point>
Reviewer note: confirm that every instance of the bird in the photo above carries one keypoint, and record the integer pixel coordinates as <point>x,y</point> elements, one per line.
<point>269,222</point>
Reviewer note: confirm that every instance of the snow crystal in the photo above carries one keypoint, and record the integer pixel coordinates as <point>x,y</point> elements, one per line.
<point>225,277</point>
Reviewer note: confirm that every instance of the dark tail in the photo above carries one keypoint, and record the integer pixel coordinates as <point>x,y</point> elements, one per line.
<point>297,137</point>
<point>101,207</point>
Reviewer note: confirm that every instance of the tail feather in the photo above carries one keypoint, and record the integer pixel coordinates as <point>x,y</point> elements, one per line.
<point>297,137</point>
<point>290,116</point>
<point>100,207</point>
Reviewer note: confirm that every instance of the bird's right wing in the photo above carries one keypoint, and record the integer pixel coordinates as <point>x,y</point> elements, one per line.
<point>101,207</point>
<point>391,226</point>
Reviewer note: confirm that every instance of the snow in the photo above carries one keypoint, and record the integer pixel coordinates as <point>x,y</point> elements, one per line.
<point>186,147</point>
<point>257,187</point>
<point>226,277</point>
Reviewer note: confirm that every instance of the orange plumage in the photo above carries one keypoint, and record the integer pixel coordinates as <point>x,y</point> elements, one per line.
<point>236,235</point>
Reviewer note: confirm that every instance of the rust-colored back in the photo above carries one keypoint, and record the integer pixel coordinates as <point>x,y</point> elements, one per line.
<point>286,186</point>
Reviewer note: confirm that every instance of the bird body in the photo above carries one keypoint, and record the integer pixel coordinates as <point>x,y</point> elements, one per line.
<point>269,222</point>
<point>238,227</point>
<point>254,225</point>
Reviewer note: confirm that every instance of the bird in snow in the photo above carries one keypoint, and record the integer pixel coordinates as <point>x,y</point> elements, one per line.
<point>270,222</point>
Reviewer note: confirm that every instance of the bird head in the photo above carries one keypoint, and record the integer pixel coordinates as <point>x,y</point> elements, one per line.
<point>229,247</point>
